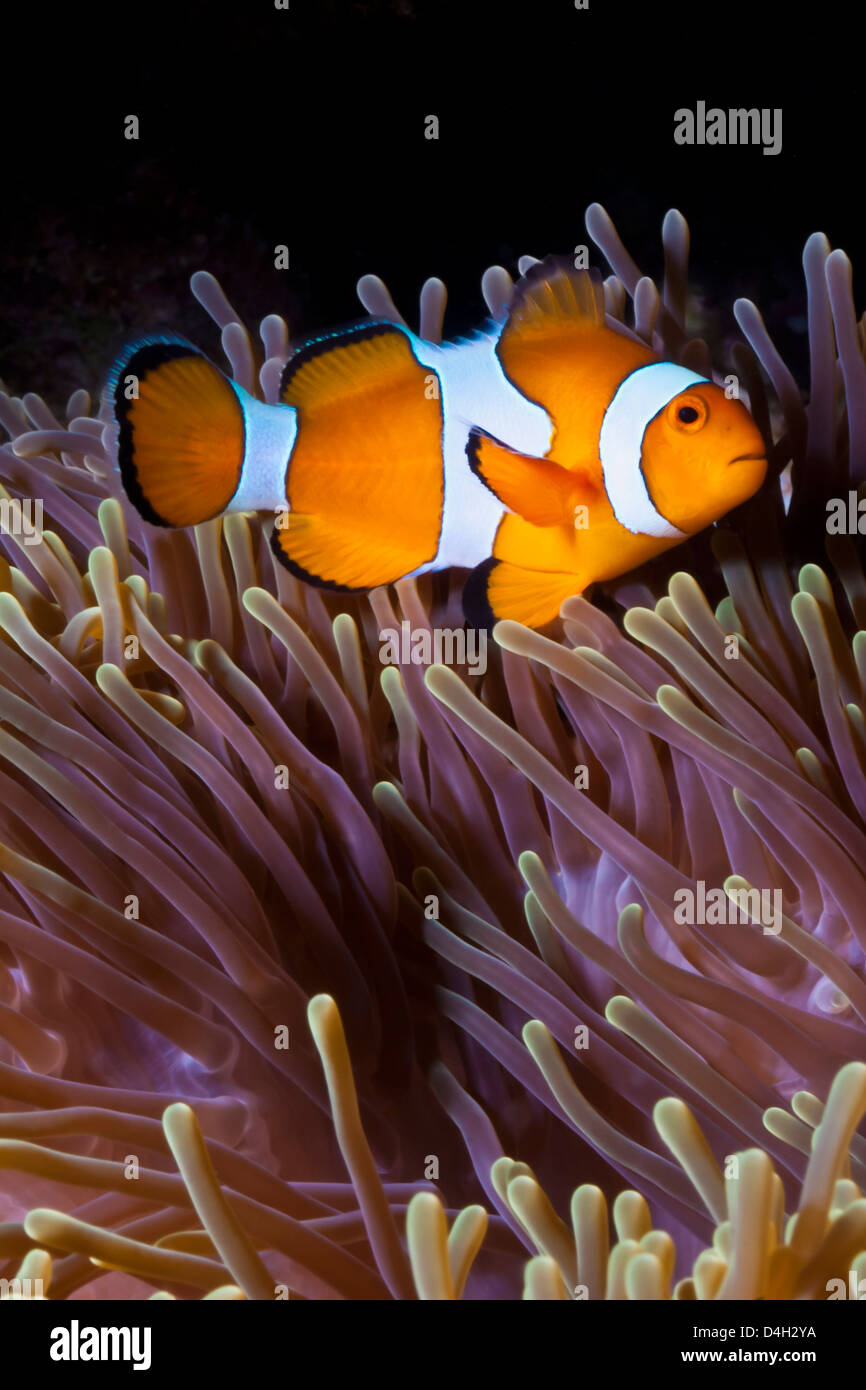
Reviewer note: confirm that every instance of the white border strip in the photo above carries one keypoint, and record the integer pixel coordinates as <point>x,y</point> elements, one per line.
<point>270,437</point>
<point>637,400</point>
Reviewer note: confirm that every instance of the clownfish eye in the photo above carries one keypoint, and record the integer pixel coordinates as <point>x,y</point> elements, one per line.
<point>688,414</point>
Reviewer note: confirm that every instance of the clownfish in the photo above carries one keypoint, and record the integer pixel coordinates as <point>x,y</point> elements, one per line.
<point>545,453</point>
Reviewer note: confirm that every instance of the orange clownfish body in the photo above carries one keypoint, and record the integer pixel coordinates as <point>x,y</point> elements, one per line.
<point>544,454</point>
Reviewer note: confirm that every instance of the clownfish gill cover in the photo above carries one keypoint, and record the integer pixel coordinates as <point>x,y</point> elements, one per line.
<point>432,678</point>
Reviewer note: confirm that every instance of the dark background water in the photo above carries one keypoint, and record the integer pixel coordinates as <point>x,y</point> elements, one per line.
<point>306,127</point>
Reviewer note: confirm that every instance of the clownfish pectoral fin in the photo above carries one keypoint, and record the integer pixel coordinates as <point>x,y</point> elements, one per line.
<point>498,589</point>
<point>542,492</point>
<point>365,481</point>
<point>181,433</point>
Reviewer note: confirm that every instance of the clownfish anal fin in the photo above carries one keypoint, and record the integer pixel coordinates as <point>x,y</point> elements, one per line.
<point>476,606</point>
<point>541,491</point>
<point>498,589</point>
<point>365,480</point>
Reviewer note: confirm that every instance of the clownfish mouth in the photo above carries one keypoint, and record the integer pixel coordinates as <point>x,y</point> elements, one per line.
<point>748,458</point>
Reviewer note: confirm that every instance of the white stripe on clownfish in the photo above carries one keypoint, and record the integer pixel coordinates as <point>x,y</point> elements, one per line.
<point>270,433</point>
<point>476,392</point>
<point>637,400</point>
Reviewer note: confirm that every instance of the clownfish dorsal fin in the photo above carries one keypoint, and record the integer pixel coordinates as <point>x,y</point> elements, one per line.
<point>556,348</point>
<point>367,358</point>
<point>365,480</point>
<point>553,297</point>
<point>541,491</point>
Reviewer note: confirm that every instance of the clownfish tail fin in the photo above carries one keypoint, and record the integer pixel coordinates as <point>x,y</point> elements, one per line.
<point>181,431</point>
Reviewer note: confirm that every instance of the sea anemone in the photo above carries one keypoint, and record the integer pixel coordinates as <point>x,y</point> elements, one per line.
<point>326,979</point>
